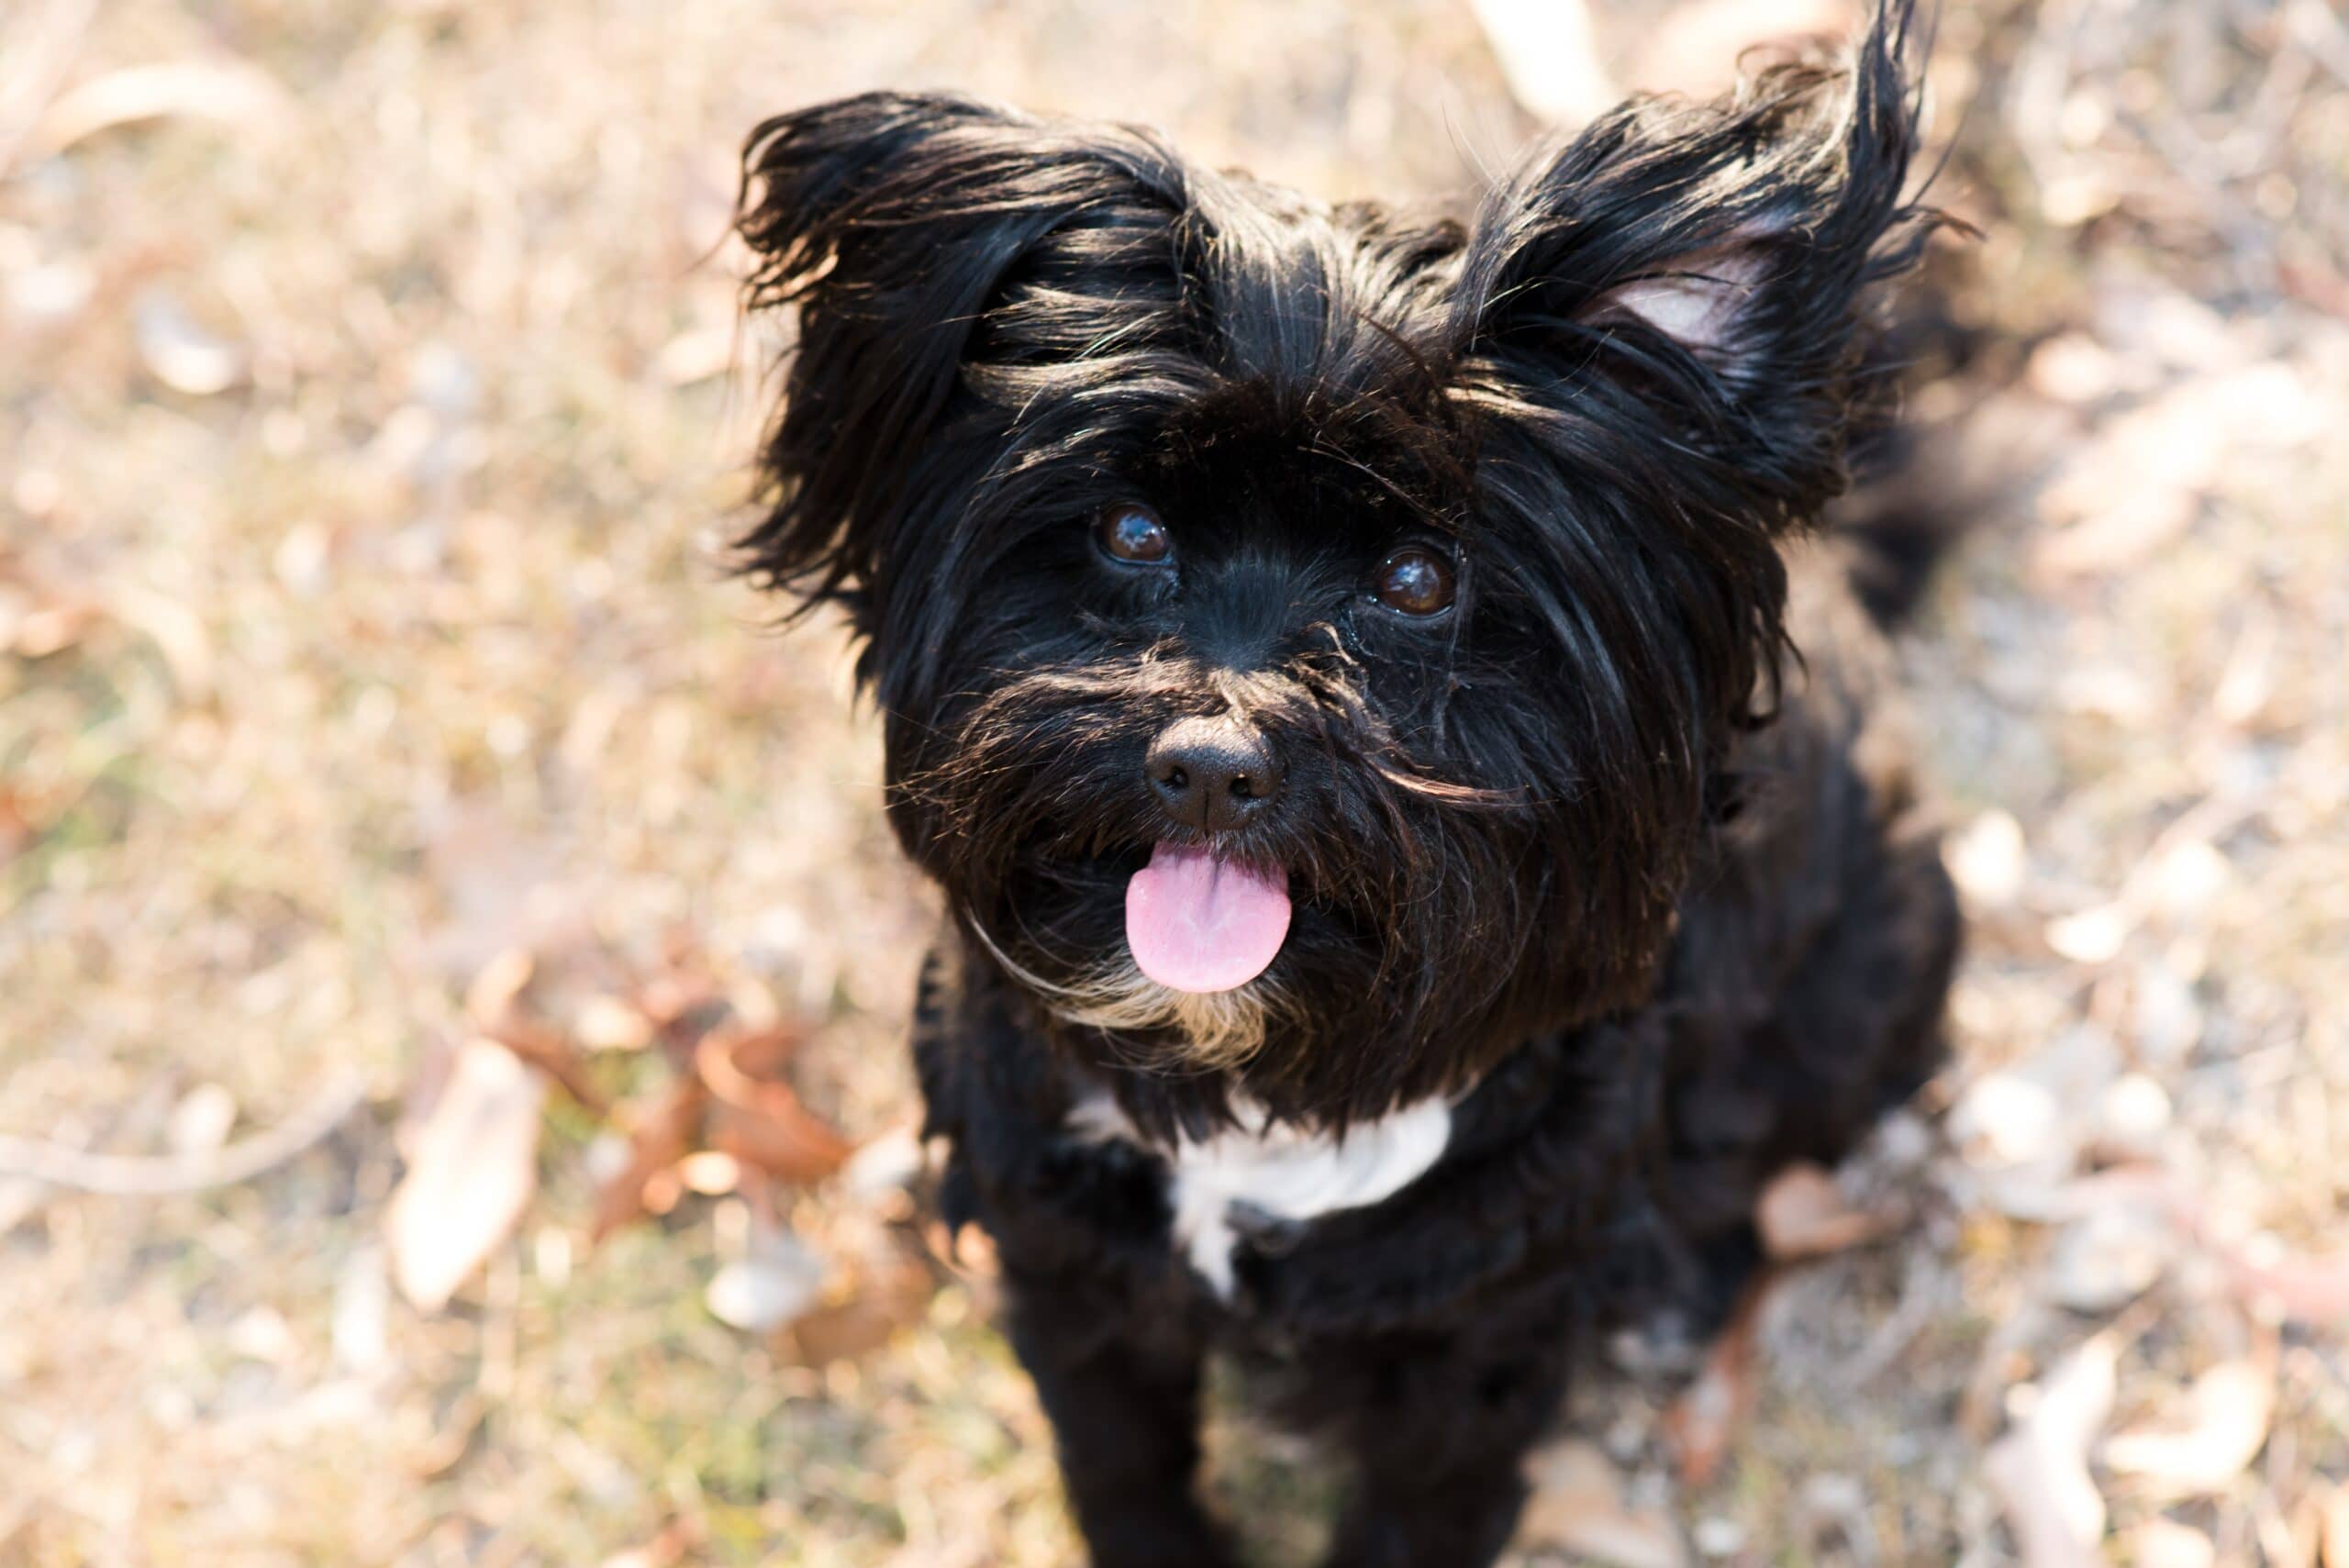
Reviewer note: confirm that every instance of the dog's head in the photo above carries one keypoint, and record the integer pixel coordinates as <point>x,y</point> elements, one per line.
<point>1308,637</point>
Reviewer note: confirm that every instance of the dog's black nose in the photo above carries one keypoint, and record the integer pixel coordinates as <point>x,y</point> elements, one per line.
<point>1212,773</point>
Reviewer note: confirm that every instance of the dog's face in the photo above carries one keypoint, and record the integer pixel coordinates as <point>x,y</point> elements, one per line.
<point>1306,638</point>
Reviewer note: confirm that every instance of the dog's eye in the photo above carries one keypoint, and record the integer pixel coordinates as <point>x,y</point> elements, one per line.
<point>1130,531</point>
<point>1416,581</point>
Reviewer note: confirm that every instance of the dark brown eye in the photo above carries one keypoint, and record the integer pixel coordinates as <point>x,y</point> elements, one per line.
<point>1130,531</point>
<point>1416,581</point>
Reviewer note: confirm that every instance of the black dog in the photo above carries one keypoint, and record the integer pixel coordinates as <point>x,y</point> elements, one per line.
<point>1416,795</point>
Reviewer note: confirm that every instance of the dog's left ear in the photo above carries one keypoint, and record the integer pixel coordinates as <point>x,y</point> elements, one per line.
<point>899,224</point>
<point>1708,268</point>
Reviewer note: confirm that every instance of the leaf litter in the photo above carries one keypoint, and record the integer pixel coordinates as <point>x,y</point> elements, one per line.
<point>379,647</point>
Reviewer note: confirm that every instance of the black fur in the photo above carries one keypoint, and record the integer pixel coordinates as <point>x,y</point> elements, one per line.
<point>1621,849</point>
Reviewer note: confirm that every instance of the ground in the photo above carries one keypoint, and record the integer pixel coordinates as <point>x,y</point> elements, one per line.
<point>374,417</point>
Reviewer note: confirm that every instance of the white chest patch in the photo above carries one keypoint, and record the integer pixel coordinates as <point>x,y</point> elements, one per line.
<point>1281,1170</point>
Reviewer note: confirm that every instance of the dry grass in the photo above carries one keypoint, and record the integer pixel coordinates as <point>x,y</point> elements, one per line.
<point>369,435</point>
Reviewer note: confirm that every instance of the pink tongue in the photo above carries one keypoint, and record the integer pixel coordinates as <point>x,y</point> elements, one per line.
<point>1196,923</point>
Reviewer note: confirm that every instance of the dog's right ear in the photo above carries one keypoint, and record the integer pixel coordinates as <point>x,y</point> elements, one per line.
<point>896,223</point>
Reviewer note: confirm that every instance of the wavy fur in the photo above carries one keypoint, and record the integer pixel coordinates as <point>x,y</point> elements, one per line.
<point>1589,854</point>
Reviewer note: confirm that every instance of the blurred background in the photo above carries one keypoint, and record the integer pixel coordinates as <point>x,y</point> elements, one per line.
<point>452,972</point>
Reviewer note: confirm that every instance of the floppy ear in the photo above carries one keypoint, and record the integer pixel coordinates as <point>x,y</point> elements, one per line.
<point>896,223</point>
<point>1707,267</point>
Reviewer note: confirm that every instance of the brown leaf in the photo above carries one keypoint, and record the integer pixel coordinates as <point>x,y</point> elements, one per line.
<point>2229,1408</point>
<point>877,1304</point>
<point>473,1166</point>
<point>2040,1469</point>
<point>556,1057</point>
<point>1803,1214</point>
<point>756,1118</point>
<point>657,1138</point>
<point>1704,1420</point>
<point>1577,1505</point>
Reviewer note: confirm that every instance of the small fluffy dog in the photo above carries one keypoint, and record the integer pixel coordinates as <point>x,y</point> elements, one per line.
<point>1418,797</point>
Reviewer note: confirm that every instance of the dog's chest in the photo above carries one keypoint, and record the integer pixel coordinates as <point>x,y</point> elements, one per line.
<point>1275,1170</point>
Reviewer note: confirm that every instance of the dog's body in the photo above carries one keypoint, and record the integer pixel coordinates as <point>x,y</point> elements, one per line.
<point>1390,620</point>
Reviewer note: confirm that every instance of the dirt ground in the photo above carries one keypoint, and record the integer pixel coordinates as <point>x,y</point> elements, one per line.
<point>372,419</point>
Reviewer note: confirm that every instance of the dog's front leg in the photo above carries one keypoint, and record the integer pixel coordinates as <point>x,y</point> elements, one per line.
<point>1121,1385</point>
<point>1439,1433</point>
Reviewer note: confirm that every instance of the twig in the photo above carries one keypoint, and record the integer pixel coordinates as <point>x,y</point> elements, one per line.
<point>135,1176</point>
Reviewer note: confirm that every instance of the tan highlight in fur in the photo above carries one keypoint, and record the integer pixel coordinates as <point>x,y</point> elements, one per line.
<point>1219,1029</point>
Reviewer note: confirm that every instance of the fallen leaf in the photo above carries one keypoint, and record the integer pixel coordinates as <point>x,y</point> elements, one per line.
<point>2145,478</point>
<point>2040,1469</point>
<point>657,1138</point>
<point>2248,679</point>
<point>2072,368</point>
<point>474,1166</point>
<point>1989,861</point>
<point>696,354</point>
<point>2019,1142</point>
<point>1549,55</point>
<point>556,1057</point>
<point>884,1164</point>
<point>201,1121</point>
<point>1577,1506</point>
<point>2313,1291</point>
<point>2108,1257</point>
<point>2334,1532</point>
<point>54,627</point>
<point>229,91</point>
<point>876,1304</point>
<point>175,629</point>
<point>182,355</point>
<point>2092,936</point>
<point>496,985</point>
<point>709,1173</point>
<point>607,1023</point>
<point>1700,1424</point>
<point>502,886</point>
<point>669,997</point>
<point>358,1329</point>
<point>756,1118</point>
<point>2189,877</point>
<point>2132,1115</point>
<point>17,814</point>
<point>1803,1214</point>
<point>452,1436</point>
<point>2164,1543</point>
<point>2228,1410</point>
<point>666,1549</point>
<point>775,1280</point>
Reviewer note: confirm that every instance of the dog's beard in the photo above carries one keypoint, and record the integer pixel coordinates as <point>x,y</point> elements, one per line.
<point>1437,922</point>
<point>1211,1029</point>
